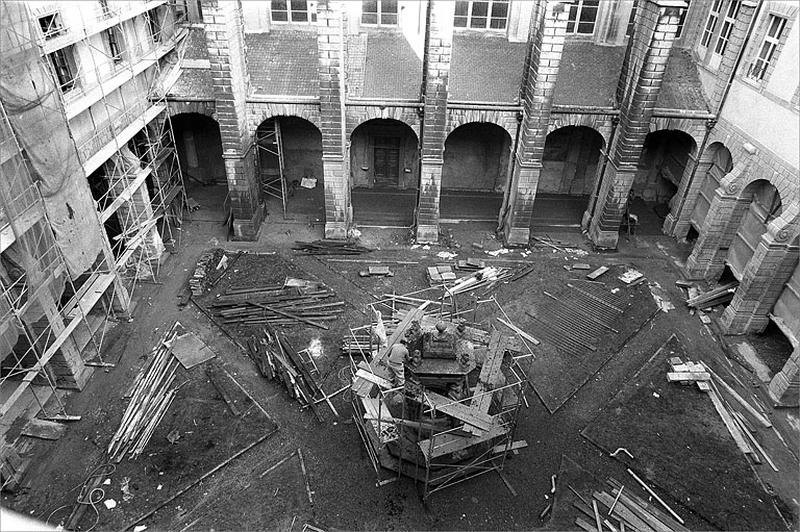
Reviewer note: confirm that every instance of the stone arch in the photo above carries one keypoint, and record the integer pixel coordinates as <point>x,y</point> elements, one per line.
<point>476,157</point>
<point>359,115</point>
<point>570,160</point>
<point>695,128</point>
<point>198,141</point>
<point>602,124</point>
<point>504,119</point>
<point>258,112</point>
<point>175,108</point>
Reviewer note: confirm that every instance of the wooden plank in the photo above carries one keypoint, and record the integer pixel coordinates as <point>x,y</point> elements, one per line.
<point>584,525</point>
<point>515,446</point>
<point>729,423</point>
<point>371,377</point>
<point>459,411</point>
<point>623,512</point>
<point>444,444</point>
<point>45,430</point>
<point>219,378</point>
<point>683,376</point>
<point>739,399</point>
<point>597,273</point>
<point>635,502</point>
<point>519,331</point>
<point>481,401</point>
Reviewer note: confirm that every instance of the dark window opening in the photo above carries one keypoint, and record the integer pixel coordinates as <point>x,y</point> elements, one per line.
<point>62,63</point>
<point>51,25</point>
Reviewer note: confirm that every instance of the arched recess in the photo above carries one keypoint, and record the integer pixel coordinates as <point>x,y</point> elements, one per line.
<point>475,172</point>
<point>384,173</point>
<point>757,206</point>
<point>199,145</point>
<point>569,167</point>
<point>714,165</point>
<point>288,163</point>
<point>662,165</point>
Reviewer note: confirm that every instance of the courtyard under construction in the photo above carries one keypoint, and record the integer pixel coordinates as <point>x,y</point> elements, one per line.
<point>412,265</point>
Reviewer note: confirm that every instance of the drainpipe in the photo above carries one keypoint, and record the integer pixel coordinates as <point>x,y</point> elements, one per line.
<point>609,146</point>
<point>510,179</point>
<point>713,122</point>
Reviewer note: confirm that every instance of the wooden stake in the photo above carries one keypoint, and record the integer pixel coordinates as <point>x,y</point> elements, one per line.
<point>305,476</point>
<point>651,492</point>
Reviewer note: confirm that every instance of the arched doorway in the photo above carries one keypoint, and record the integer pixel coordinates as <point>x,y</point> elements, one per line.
<point>758,205</point>
<point>289,166</point>
<point>665,155</point>
<point>199,145</point>
<point>717,162</point>
<point>475,172</point>
<point>569,167</point>
<point>384,173</point>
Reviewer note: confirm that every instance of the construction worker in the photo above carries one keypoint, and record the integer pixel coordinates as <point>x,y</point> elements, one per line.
<point>398,354</point>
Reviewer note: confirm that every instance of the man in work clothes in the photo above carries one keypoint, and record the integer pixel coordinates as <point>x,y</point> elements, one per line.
<point>397,358</point>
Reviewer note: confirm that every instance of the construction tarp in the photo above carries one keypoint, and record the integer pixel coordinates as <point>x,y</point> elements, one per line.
<point>31,99</point>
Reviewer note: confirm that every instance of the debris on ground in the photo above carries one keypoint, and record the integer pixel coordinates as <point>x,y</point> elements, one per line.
<point>197,283</point>
<point>191,350</point>
<point>376,271</point>
<point>631,276</point>
<point>717,296</point>
<point>330,247</point>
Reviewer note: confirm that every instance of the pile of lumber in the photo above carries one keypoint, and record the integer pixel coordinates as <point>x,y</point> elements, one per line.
<point>442,274</point>
<point>688,372</point>
<point>330,247</point>
<point>278,305</point>
<point>197,282</point>
<point>151,396</point>
<point>277,360</point>
<point>485,277</point>
<point>717,296</point>
<point>620,508</point>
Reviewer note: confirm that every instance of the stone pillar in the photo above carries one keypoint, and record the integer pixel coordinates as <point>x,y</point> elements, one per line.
<point>747,9</point>
<point>784,388</point>
<point>640,82</point>
<point>727,208</point>
<point>545,47</point>
<point>436,72</point>
<point>763,279</point>
<point>224,30</point>
<point>331,23</point>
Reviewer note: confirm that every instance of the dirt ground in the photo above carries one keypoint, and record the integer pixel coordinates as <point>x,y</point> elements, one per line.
<point>343,483</point>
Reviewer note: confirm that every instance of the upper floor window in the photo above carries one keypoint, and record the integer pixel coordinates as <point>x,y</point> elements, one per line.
<point>154,25</point>
<point>293,11</point>
<point>114,42</point>
<point>582,16</point>
<point>105,9</point>
<point>379,12</point>
<point>492,14</point>
<point>51,25</point>
<point>63,61</point>
<point>632,19</point>
<point>727,27</point>
<point>682,20</point>
<point>711,23</point>
<point>766,52</point>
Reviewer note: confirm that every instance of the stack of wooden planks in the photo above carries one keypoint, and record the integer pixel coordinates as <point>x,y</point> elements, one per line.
<point>621,509</point>
<point>277,360</point>
<point>330,247</point>
<point>278,305</point>
<point>485,277</point>
<point>717,296</point>
<point>151,397</point>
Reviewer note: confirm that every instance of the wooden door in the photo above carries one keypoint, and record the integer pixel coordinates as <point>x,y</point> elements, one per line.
<point>386,161</point>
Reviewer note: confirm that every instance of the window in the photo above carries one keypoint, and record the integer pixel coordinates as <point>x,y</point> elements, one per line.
<point>682,20</point>
<point>379,12</point>
<point>711,23</point>
<point>153,25</point>
<point>105,10</point>
<point>293,11</point>
<point>113,41</point>
<point>727,27</point>
<point>491,14</point>
<point>63,64</point>
<point>582,16</point>
<point>632,19</point>
<point>51,25</point>
<point>772,39</point>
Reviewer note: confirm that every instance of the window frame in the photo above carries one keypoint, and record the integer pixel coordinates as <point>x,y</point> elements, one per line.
<point>380,13</point>
<point>310,11</point>
<point>578,8</point>
<point>728,23</point>
<point>114,39</point>
<point>154,26</point>
<point>710,28</point>
<point>682,20</point>
<point>490,5</point>
<point>773,43</point>
<point>53,29</point>
<point>63,65</point>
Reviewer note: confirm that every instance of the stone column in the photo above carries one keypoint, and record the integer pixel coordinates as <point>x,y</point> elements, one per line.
<point>763,279</point>
<point>727,208</point>
<point>436,72</point>
<point>224,30</point>
<point>784,388</point>
<point>331,23</point>
<point>545,47</point>
<point>640,82</point>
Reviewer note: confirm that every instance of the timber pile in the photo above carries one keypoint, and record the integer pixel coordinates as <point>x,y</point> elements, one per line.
<point>278,361</point>
<point>330,247</point>
<point>620,507</point>
<point>152,395</point>
<point>197,283</point>
<point>717,296</point>
<point>278,305</point>
<point>483,278</point>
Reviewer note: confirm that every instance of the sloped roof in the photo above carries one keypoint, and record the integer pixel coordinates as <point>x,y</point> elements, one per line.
<point>486,68</point>
<point>283,62</point>
<point>392,69</point>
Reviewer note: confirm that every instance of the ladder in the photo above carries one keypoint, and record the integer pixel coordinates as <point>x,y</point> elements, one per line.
<point>270,142</point>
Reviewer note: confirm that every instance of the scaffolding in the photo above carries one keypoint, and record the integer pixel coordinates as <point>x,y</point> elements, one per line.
<point>53,321</point>
<point>269,146</point>
<point>413,430</point>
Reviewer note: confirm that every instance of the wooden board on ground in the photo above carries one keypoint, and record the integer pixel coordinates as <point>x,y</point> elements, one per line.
<point>45,430</point>
<point>227,389</point>
<point>481,400</point>
<point>715,479</point>
<point>191,350</point>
